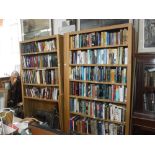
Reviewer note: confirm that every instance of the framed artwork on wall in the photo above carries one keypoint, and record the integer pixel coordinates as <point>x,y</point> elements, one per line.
<point>68,25</point>
<point>33,28</point>
<point>146,36</point>
<point>94,23</point>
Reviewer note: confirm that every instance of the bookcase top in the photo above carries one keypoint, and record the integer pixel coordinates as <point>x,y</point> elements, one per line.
<point>113,27</point>
<point>41,38</point>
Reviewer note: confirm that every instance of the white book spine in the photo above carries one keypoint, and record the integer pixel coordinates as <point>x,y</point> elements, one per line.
<point>126,56</point>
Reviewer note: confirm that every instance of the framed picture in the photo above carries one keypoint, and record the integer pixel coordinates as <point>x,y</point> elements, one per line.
<point>94,23</point>
<point>68,25</point>
<point>146,36</point>
<point>3,98</point>
<point>33,28</point>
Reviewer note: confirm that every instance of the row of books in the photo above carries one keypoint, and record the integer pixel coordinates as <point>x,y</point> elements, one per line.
<point>95,109</point>
<point>149,101</point>
<point>40,76</point>
<point>49,60</point>
<point>105,74</point>
<point>100,91</point>
<point>100,56</point>
<point>42,46</point>
<point>99,38</point>
<point>43,93</point>
<point>149,78</point>
<point>94,127</point>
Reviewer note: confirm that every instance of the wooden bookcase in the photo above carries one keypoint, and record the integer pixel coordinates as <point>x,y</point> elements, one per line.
<point>42,75</point>
<point>143,111</point>
<point>79,116</point>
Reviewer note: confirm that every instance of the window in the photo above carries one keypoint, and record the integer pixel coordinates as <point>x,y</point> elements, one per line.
<point>10,36</point>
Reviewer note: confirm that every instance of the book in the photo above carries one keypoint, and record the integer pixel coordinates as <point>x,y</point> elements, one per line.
<point>98,81</point>
<point>100,56</point>
<point>40,76</point>
<point>39,46</point>
<point>94,127</point>
<point>45,92</point>
<point>98,110</point>
<point>48,60</point>
<point>100,74</point>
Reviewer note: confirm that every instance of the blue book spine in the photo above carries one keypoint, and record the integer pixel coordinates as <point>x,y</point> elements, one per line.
<point>88,56</point>
<point>71,125</point>
<point>89,73</point>
<point>99,39</point>
<point>108,38</point>
<point>105,56</point>
<point>81,72</point>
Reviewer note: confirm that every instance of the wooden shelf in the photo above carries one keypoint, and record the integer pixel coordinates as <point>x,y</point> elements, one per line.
<point>96,99</point>
<point>149,89</point>
<point>39,68</point>
<point>100,29</point>
<point>39,99</point>
<point>37,53</point>
<point>98,47</point>
<point>40,38</point>
<point>69,49</point>
<point>100,65</point>
<point>77,133</point>
<point>100,119</point>
<point>41,85</point>
<point>97,82</point>
<point>31,104</point>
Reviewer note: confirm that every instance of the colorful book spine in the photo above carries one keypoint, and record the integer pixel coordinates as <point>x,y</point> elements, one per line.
<point>49,60</point>
<point>79,125</point>
<point>43,93</point>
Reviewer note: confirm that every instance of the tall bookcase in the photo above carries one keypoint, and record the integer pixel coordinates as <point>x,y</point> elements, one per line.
<point>42,75</point>
<point>97,75</point>
<point>143,111</point>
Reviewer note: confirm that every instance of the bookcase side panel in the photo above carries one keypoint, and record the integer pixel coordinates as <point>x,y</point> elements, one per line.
<point>66,82</point>
<point>129,80</point>
<point>60,68</point>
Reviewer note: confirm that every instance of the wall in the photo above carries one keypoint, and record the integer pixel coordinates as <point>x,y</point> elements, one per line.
<point>10,36</point>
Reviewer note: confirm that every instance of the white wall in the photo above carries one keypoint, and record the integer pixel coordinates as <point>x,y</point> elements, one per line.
<point>10,35</point>
<point>56,24</point>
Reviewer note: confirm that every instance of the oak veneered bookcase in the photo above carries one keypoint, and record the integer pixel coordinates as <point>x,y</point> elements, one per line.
<point>98,80</point>
<point>42,75</point>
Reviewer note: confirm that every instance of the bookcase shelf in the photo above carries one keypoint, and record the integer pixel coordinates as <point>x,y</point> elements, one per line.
<point>149,89</point>
<point>100,119</point>
<point>97,82</point>
<point>97,99</point>
<point>100,29</point>
<point>93,60</point>
<point>39,99</point>
<point>98,47</point>
<point>37,53</point>
<point>39,68</point>
<point>41,85</point>
<point>42,75</point>
<point>100,65</point>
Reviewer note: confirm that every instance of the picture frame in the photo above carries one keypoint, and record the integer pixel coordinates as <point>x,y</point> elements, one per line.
<point>68,25</point>
<point>34,28</point>
<point>146,41</point>
<point>3,98</point>
<point>94,23</point>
